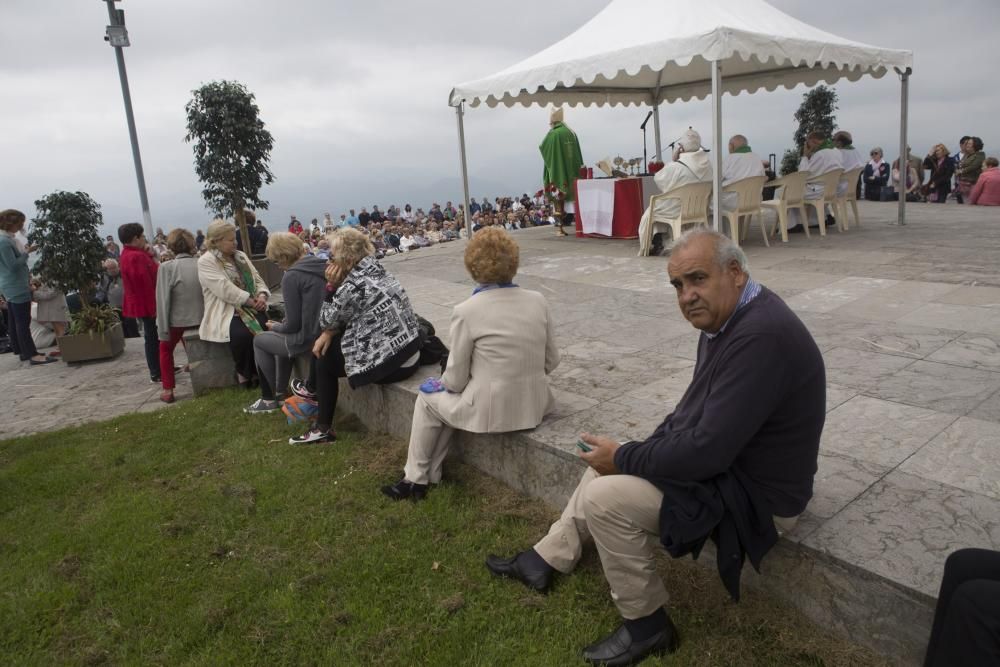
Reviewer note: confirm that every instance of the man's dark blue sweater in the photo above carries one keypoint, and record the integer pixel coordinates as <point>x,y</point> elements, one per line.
<point>747,427</point>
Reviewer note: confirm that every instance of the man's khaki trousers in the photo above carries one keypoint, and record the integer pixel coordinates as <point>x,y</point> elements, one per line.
<point>621,513</point>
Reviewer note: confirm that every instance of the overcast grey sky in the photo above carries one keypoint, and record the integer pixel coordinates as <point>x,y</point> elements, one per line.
<point>356,93</point>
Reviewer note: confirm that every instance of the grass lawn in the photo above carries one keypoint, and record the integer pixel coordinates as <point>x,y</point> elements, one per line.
<point>196,535</point>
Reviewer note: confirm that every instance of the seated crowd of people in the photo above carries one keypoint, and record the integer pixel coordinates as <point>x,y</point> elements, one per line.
<point>404,229</point>
<point>969,176</point>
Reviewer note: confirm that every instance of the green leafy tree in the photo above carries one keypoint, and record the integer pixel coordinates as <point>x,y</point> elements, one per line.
<point>65,229</point>
<point>232,150</point>
<point>790,161</point>
<point>816,113</point>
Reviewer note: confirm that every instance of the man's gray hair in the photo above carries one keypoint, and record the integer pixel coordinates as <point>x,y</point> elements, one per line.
<point>726,251</point>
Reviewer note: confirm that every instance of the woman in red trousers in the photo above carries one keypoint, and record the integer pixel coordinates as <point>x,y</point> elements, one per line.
<point>179,303</point>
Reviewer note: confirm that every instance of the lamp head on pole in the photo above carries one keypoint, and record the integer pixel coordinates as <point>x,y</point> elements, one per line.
<point>116,34</point>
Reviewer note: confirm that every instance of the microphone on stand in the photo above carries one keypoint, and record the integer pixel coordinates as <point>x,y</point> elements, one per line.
<point>645,158</point>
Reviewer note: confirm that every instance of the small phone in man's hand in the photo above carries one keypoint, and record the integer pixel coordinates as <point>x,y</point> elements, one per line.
<point>584,446</point>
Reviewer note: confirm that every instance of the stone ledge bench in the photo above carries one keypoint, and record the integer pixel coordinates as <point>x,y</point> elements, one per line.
<point>211,363</point>
<point>888,617</point>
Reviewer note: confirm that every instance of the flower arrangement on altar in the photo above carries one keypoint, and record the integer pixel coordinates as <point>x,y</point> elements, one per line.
<point>552,193</point>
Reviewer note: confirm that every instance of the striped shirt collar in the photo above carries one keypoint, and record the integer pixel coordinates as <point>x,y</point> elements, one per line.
<point>750,292</point>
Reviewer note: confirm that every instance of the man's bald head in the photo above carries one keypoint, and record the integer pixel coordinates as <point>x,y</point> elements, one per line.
<point>737,141</point>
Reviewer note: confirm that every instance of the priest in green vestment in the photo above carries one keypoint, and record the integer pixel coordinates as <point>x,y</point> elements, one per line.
<point>561,155</point>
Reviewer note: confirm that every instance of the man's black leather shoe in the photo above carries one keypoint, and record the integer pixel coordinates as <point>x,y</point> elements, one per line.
<point>518,567</point>
<point>618,649</point>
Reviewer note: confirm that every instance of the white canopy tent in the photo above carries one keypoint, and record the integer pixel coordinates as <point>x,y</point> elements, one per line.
<point>653,51</point>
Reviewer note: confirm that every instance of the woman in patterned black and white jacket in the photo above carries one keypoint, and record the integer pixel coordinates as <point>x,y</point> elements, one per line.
<point>370,332</point>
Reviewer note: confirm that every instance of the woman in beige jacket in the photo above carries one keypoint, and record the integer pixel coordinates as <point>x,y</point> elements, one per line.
<point>235,298</point>
<point>502,349</point>
<point>52,308</point>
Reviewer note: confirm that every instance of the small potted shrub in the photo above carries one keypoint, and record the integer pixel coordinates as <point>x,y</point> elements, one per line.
<point>65,230</point>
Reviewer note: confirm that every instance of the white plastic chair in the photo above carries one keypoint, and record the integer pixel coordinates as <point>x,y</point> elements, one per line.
<point>829,180</point>
<point>850,197</point>
<point>793,187</point>
<point>749,192</point>
<point>693,199</point>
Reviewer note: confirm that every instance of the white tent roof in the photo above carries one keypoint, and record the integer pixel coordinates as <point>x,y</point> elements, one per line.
<point>633,47</point>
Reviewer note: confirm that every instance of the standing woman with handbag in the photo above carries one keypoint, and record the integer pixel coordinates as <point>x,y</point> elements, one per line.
<point>15,286</point>
<point>968,169</point>
<point>941,169</point>
<point>235,298</point>
<point>876,175</point>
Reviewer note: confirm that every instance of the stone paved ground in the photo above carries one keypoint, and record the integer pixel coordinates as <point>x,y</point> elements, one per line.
<point>908,319</point>
<point>46,398</point>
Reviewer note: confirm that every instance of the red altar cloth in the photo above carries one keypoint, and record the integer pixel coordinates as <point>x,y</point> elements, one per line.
<point>629,205</point>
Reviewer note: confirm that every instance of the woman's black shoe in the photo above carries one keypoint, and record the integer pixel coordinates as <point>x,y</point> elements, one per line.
<point>403,489</point>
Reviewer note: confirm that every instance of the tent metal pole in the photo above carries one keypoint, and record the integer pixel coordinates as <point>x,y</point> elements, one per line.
<point>716,142</point>
<point>656,118</point>
<point>656,131</point>
<point>460,113</point>
<point>904,154</point>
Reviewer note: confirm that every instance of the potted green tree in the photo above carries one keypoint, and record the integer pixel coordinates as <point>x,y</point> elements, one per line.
<point>232,150</point>
<point>65,230</point>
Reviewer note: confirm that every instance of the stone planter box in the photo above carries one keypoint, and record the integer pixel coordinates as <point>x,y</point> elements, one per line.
<point>87,347</point>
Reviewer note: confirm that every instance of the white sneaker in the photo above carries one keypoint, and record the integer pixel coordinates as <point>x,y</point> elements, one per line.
<point>261,406</point>
<point>299,389</point>
<point>313,436</point>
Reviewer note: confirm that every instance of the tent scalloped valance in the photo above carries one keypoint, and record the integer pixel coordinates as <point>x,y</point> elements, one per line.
<point>749,38</point>
<point>577,95</point>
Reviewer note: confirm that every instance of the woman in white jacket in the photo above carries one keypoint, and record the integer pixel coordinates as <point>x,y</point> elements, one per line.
<point>235,298</point>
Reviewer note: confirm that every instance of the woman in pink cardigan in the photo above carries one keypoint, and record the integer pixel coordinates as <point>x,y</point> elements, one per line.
<point>986,192</point>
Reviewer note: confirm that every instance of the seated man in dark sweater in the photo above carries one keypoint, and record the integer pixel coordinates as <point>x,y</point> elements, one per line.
<point>734,462</point>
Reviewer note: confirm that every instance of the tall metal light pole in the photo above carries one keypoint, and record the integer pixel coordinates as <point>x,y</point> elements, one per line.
<point>117,36</point>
